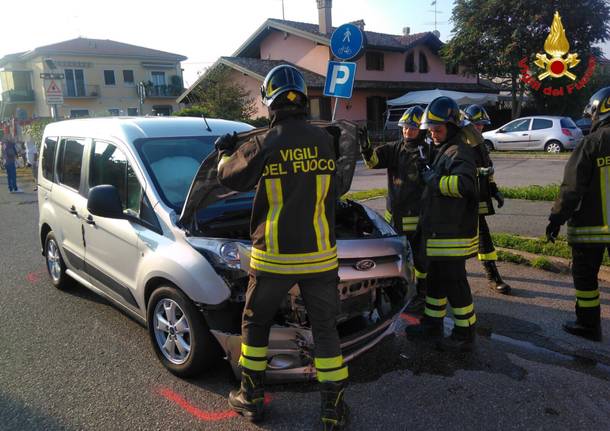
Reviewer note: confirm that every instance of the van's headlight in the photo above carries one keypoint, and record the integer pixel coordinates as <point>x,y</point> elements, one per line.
<point>230,254</point>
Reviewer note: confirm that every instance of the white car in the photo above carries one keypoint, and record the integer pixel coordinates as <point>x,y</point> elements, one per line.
<point>131,209</point>
<point>551,134</point>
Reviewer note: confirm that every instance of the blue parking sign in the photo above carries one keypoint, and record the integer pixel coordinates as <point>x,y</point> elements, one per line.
<point>340,78</point>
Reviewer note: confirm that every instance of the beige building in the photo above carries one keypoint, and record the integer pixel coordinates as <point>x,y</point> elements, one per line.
<point>100,78</point>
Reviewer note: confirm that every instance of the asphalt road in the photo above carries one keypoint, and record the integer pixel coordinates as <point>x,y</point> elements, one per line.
<point>71,361</point>
<point>509,172</point>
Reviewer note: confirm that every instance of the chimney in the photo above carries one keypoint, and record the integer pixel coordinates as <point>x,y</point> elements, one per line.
<point>360,24</point>
<point>406,31</point>
<point>325,16</point>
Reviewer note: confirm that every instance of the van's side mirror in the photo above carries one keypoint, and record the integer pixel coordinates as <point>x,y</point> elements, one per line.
<point>501,131</point>
<point>104,201</point>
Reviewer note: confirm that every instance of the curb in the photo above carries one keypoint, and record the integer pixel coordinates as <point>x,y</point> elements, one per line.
<point>559,264</point>
<point>498,155</point>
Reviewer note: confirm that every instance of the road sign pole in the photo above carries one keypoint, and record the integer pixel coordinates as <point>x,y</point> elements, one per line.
<point>335,109</point>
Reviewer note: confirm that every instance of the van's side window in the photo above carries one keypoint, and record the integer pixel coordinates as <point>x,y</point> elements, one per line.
<point>70,161</point>
<point>109,165</point>
<point>48,157</point>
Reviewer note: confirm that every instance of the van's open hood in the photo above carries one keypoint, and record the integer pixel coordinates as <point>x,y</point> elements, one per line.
<point>206,190</point>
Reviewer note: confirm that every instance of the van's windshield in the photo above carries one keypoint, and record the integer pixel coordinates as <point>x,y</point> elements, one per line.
<point>172,164</point>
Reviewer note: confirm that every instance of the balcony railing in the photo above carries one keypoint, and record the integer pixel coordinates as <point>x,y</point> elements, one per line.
<point>81,91</point>
<point>12,96</point>
<point>162,91</point>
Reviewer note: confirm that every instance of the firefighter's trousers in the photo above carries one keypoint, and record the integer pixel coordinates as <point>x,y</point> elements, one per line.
<point>585,266</point>
<point>321,298</point>
<point>487,251</point>
<point>447,282</point>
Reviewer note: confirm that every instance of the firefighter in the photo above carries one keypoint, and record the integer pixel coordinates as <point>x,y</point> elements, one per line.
<point>488,188</point>
<point>403,160</point>
<point>583,201</point>
<point>449,225</point>
<point>293,166</point>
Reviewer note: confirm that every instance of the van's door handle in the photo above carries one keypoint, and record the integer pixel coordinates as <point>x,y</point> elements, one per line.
<point>90,220</point>
<point>73,211</point>
<point>525,134</point>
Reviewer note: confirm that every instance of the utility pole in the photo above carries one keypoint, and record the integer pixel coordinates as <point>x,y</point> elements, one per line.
<point>283,16</point>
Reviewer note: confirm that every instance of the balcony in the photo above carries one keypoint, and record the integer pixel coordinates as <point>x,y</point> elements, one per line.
<point>81,91</point>
<point>15,96</point>
<point>162,91</point>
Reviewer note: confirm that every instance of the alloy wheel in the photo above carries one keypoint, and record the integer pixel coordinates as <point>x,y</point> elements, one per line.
<point>172,331</point>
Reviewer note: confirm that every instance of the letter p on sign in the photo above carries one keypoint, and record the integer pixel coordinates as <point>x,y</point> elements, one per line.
<point>340,79</point>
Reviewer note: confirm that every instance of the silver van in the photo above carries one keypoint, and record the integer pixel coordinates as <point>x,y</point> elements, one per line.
<point>113,199</point>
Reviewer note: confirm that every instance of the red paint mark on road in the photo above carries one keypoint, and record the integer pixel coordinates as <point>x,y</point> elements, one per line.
<point>33,277</point>
<point>197,412</point>
<point>411,320</point>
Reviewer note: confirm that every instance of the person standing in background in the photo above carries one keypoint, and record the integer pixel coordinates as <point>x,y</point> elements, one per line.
<point>31,153</point>
<point>9,152</point>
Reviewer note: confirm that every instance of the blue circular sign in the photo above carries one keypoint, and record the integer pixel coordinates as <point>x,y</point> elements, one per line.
<point>347,42</point>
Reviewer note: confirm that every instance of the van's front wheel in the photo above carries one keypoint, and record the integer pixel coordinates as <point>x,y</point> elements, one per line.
<point>179,334</point>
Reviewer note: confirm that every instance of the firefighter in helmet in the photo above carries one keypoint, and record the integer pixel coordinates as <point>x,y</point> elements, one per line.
<point>288,195</point>
<point>583,201</point>
<point>449,226</point>
<point>477,116</point>
<point>403,160</point>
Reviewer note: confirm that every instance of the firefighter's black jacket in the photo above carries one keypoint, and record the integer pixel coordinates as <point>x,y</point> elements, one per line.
<point>293,217</point>
<point>405,186</point>
<point>487,185</point>
<point>449,219</point>
<point>583,196</point>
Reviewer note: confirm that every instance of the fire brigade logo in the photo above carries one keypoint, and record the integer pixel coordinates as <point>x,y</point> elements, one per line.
<point>556,63</point>
<point>556,45</point>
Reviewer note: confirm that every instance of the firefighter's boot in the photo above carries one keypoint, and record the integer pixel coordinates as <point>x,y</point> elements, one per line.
<point>461,340</point>
<point>249,399</point>
<point>335,412</point>
<point>590,332</point>
<point>494,280</point>
<point>429,328</point>
<point>417,304</point>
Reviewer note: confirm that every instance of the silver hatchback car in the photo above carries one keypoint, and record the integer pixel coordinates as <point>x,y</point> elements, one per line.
<point>551,134</point>
<point>126,208</point>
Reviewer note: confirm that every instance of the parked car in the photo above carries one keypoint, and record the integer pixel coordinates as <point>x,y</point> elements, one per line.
<point>551,134</point>
<point>585,125</point>
<point>124,210</point>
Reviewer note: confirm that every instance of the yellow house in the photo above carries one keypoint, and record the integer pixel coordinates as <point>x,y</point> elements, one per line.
<point>96,78</point>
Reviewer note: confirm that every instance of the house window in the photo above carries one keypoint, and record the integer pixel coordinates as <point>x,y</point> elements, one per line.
<point>410,63</point>
<point>79,113</point>
<point>75,82</point>
<point>109,77</point>
<point>451,68</point>
<point>132,112</point>
<point>423,63</point>
<point>374,60</point>
<point>115,112</point>
<point>319,108</point>
<point>128,77</point>
<point>162,110</point>
<point>158,78</point>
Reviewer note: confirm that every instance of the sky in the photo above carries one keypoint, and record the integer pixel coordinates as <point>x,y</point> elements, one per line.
<point>201,30</point>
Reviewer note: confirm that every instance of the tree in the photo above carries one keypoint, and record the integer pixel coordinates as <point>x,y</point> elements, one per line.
<point>35,130</point>
<point>490,37</point>
<point>219,97</point>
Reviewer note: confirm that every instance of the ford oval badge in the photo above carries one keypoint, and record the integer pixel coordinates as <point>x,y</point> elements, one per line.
<point>365,265</point>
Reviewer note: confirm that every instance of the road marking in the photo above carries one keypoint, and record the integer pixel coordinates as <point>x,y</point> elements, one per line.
<point>198,413</point>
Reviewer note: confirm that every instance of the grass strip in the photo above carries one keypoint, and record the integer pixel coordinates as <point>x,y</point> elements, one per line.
<point>560,248</point>
<point>533,193</point>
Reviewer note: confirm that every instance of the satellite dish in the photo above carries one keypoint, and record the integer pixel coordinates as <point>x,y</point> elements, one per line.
<point>437,33</point>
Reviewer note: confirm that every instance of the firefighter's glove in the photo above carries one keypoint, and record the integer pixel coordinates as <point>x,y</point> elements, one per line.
<point>365,143</point>
<point>552,231</point>
<point>496,194</point>
<point>485,172</point>
<point>429,176</point>
<point>226,143</point>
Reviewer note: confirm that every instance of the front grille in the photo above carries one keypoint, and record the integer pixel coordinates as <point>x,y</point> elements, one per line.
<point>379,260</point>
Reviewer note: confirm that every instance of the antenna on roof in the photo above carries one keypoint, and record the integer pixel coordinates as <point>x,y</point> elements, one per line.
<point>206,123</point>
